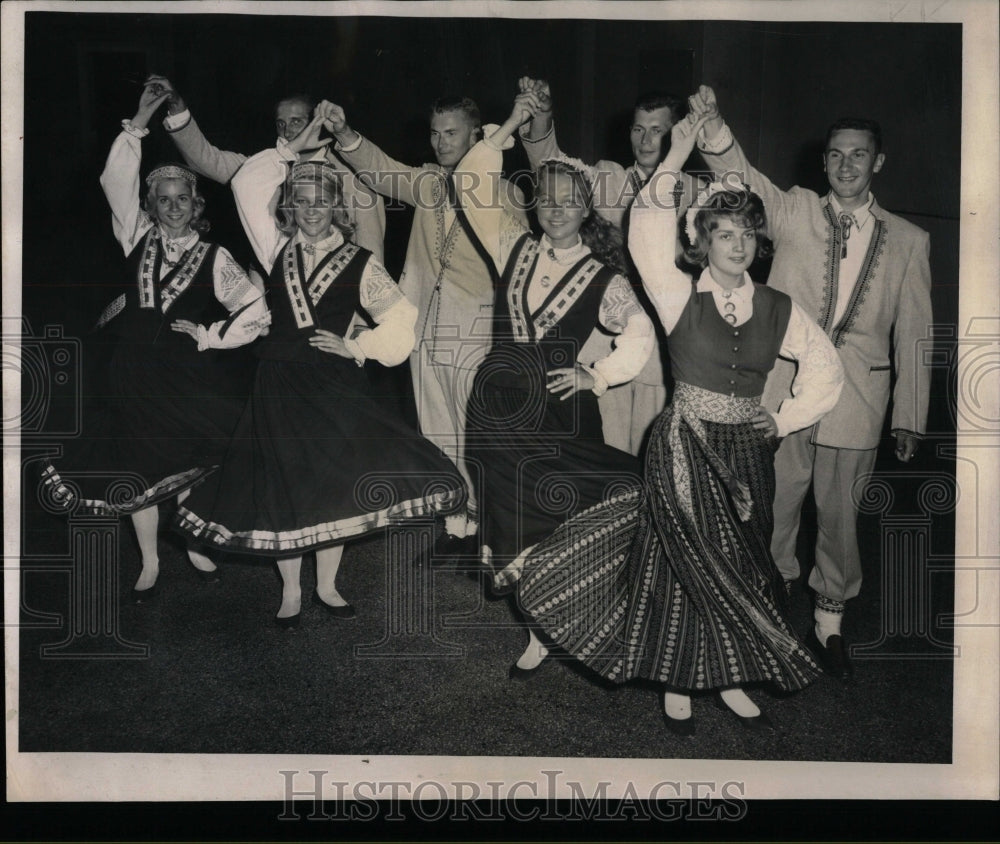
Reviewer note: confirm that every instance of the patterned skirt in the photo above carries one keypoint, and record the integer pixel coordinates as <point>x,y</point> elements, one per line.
<point>674,581</point>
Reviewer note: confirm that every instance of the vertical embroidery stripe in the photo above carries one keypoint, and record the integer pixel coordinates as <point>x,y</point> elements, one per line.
<point>293,286</point>
<point>832,270</point>
<point>147,267</point>
<point>863,284</point>
<point>184,274</point>
<point>523,263</point>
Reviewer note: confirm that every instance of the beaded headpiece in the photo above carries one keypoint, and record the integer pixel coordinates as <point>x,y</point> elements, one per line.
<point>171,171</point>
<point>313,171</point>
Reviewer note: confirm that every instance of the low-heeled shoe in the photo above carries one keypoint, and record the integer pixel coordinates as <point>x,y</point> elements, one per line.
<point>213,576</point>
<point>679,726</point>
<point>832,656</point>
<point>515,672</point>
<point>288,622</point>
<point>342,612</point>
<point>140,596</point>
<point>754,723</point>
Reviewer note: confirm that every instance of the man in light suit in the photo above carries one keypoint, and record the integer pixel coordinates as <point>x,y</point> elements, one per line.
<point>449,279</point>
<point>864,275</point>
<point>365,208</point>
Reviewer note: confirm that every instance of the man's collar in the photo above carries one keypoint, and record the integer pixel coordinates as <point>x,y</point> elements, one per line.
<point>861,215</point>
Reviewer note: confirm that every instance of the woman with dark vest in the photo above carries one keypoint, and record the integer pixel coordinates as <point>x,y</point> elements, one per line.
<point>165,395</point>
<point>674,582</point>
<point>533,424</point>
<point>316,459</point>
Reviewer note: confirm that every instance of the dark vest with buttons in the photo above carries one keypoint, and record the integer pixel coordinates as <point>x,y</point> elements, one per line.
<point>708,352</point>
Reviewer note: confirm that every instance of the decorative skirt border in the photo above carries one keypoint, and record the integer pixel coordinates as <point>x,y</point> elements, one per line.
<point>64,495</point>
<point>293,542</point>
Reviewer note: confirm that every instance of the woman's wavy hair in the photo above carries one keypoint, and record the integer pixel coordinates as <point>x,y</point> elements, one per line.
<point>170,170</point>
<point>743,207</point>
<point>602,238</point>
<point>329,181</point>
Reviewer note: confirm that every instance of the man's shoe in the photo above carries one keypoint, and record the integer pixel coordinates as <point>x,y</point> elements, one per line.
<point>832,656</point>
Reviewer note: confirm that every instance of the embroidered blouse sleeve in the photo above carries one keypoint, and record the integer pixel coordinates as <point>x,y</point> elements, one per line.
<point>652,243</point>
<point>255,187</point>
<point>392,340</point>
<point>477,187</point>
<point>820,376</point>
<point>121,184</point>
<point>621,312</point>
<point>248,313</point>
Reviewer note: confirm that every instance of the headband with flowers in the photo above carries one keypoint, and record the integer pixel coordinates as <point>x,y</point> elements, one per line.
<point>589,173</point>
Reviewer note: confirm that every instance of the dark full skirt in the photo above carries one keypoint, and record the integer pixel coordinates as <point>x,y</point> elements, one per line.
<point>635,587</point>
<point>541,460</point>
<point>156,418</point>
<point>315,460</point>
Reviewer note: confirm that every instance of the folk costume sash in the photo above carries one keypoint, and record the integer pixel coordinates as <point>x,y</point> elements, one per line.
<point>299,288</point>
<point>832,280</point>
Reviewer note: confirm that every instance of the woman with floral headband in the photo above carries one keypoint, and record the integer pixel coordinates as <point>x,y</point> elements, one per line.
<point>316,458</point>
<point>167,395</point>
<point>675,583</point>
<point>533,423</point>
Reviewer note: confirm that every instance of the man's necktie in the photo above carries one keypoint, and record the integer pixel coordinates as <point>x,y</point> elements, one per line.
<point>846,221</point>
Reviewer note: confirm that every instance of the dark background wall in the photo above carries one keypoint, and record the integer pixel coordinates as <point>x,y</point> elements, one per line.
<point>778,84</point>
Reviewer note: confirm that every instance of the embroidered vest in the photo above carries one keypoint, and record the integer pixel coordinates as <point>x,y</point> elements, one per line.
<point>526,344</point>
<point>143,310</point>
<point>326,299</point>
<point>708,352</point>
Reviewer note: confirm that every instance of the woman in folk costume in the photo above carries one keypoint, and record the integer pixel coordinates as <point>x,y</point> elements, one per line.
<point>533,422</point>
<point>314,453</point>
<point>165,396</point>
<point>675,583</point>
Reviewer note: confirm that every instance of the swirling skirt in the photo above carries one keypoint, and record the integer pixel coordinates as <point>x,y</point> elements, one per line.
<point>634,587</point>
<point>541,461</point>
<point>315,460</point>
<point>156,420</point>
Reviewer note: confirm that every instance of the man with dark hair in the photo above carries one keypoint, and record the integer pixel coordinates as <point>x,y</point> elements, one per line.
<point>365,208</point>
<point>445,276</point>
<point>863,274</point>
<point>629,409</point>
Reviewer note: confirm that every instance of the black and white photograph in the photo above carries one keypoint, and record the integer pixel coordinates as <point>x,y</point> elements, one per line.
<point>413,402</point>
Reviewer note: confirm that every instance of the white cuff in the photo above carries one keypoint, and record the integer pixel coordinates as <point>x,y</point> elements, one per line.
<point>355,350</point>
<point>174,122</point>
<point>134,131</point>
<point>284,152</point>
<point>720,143</point>
<point>488,130</point>
<point>353,145</point>
<point>600,382</point>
